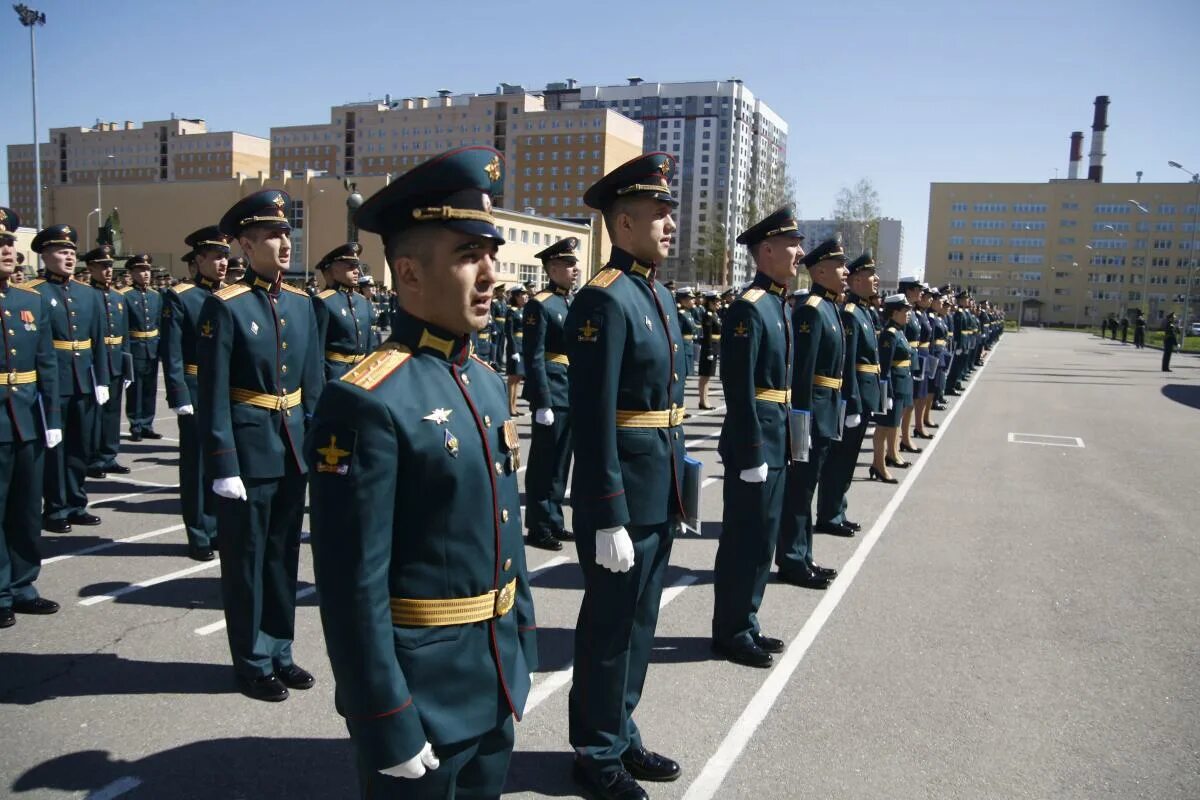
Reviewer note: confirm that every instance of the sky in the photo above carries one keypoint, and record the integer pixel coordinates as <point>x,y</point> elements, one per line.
<point>903,94</point>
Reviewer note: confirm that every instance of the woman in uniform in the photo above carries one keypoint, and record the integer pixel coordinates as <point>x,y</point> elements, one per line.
<point>895,369</point>
<point>710,344</point>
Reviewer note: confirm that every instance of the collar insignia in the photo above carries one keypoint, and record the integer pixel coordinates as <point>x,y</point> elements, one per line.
<point>439,415</point>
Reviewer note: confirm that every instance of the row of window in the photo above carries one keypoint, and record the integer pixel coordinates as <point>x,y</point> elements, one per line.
<point>1122,209</point>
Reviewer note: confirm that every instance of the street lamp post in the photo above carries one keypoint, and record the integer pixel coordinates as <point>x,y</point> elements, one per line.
<point>96,212</point>
<point>99,172</point>
<point>1145,259</point>
<point>1187,290</point>
<point>31,18</point>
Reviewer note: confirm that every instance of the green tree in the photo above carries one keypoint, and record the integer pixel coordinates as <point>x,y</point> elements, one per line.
<point>856,212</point>
<point>712,256</point>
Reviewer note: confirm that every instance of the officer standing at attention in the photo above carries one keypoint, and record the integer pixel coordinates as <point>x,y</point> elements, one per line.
<point>627,413</point>
<point>416,518</point>
<point>145,308</point>
<point>343,316</point>
<point>817,407</point>
<point>710,344</point>
<point>236,269</point>
<point>499,327</point>
<point>29,377</point>
<point>76,320</point>
<point>914,332</point>
<point>545,356</point>
<point>182,303</point>
<point>514,338</point>
<point>106,437</point>
<point>860,388</point>
<point>756,376</point>
<point>260,372</point>
<point>685,302</point>
<point>366,288</point>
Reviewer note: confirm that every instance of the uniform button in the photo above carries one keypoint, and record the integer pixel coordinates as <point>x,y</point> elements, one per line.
<point>13,351</point>
<point>466,379</point>
<point>285,345</point>
<point>676,434</point>
<point>7,313</point>
<point>487,420</point>
<point>11,332</point>
<point>507,564</point>
<point>504,515</point>
<point>283,369</point>
<point>73,314</point>
<point>499,468</point>
<point>674,348</point>
<point>674,376</point>
<point>282,321</point>
<point>69,300</point>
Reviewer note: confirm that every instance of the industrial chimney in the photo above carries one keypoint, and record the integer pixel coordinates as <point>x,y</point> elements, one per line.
<point>1076,155</point>
<point>1099,126</point>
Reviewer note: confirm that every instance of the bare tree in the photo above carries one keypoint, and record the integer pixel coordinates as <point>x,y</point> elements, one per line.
<point>856,212</point>
<point>712,256</point>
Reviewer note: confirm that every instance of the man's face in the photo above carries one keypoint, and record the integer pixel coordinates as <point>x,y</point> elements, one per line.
<point>140,276</point>
<point>344,273</point>
<point>101,272</point>
<point>212,264</point>
<point>563,272</point>
<point>647,229</point>
<point>268,249</point>
<point>863,283</point>
<point>913,295</point>
<point>830,274</point>
<point>450,284</point>
<point>59,260</point>
<point>687,301</point>
<point>8,256</point>
<point>779,258</point>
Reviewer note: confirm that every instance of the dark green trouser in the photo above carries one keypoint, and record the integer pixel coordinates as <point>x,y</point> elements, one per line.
<point>141,397</point>
<point>749,528</point>
<point>20,519</point>
<point>260,552</point>
<point>546,478</point>
<point>195,489</point>
<point>613,638</point>
<point>66,464</point>
<point>470,770</point>
<point>838,474</point>
<point>795,538</point>
<point>107,436</point>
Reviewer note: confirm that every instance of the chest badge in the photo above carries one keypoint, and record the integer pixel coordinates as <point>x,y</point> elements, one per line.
<point>439,416</point>
<point>649,324</point>
<point>451,444</point>
<point>254,327</point>
<point>53,302</point>
<point>559,317</point>
<point>27,319</point>
<point>344,313</point>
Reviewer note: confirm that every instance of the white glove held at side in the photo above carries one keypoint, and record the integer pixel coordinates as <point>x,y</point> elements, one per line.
<point>101,394</point>
<point>231,488</point>
<point>614,549</point>
<point>755,474</point>
<point>853,421</point>
<point>125,384</point>
<point>416,766</point>
<point>544,416</point>
<point>890,403</point>
<point>185,410</point>
<point>53,437</point>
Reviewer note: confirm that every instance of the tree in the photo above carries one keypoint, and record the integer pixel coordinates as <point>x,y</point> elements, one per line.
<point>712,255</point>
<point>778,190</point>
<point>856,212</point>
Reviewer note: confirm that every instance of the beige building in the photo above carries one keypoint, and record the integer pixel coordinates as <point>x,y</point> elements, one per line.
<point>155,218</point>
<point>1075,251</point>
<point>111,153</point>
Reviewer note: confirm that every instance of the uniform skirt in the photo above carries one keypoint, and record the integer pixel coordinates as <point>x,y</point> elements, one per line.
<point>708,363</point>
<point>891,419</point>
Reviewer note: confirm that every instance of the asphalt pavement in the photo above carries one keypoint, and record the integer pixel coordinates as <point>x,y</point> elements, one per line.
<point>1018,619</point>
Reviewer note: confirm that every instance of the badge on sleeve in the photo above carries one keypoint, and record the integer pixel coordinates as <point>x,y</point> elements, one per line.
<point>588,331</point>
<point>337,453</point>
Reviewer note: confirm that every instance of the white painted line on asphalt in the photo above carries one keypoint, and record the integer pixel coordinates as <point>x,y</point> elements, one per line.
<point>709,781</point>
<point>1045,439</point>
<point>556,680</point>
<point>115,789</point>
<point>129,496</point>
<point>107,545</point>
<point>551,564</point>
<point>146,584</point>
<point>137,482</point>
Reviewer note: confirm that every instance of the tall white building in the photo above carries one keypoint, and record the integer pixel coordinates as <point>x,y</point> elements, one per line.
<point>889,245</point>
<point>731,147</point>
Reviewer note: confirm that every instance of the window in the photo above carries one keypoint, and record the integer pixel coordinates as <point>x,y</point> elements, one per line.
<point>1067,223</point>
<point>1166,209</point>
<point>1109,208</point>
<point>1105,225</point>
<point>1029,225</point>
<point>956,240</point>
<point>988,224</point>
<point>991,208</point>
<point>958,207</point>
<point>1162,244</point>
<point>1164,227</point>
<point>1029,208</point>
<point>1070,206</point>
<point>524,237</point>
<point>986,241</point>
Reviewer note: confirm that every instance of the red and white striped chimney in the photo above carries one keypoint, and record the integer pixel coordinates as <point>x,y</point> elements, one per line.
<point>1076,155</point>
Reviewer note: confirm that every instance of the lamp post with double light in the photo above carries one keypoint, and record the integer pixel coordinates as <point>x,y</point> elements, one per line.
<point>31,18</point>
<point>1187,291</point>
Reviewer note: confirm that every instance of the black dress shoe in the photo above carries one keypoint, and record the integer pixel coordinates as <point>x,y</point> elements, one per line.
<point>824,572</point>
<point>854,526</point>
<point>908,448</point>
<point>96,472</point>
<point>38,605</point>
<point>619,785</point>
<point>939,406</point>
<point>117,469</point>
<point>646,765</point>
<point>835,528</point>
<point>149,434</point>
<point>748,654</point>
<point>891,462</point>
<point>804,578</point>
<point>55,525</point>
<point>295,677</point>
<point>135,436</point>
<point>264,687</point>
<point>771,645</point>
<point>200,553</point>
<point>923,435</point>
<point>83,518</point>
<point>7,619</point>
<point>564,536</point>
<point>542,539</point>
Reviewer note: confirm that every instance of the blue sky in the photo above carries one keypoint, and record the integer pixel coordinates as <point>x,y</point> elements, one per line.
<point>902,93</point>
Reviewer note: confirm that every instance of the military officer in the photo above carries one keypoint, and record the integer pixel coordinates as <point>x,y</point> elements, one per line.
<point>499,310</point>
<point>895,362</point>
<point>685,301</point>
<point>416,520</point>
<point>182,303</point>
<point>343,316</point>
<point>710,344</point>
<point>544,353</point>
<point>514,345</point>
<point>938,352</point>
<point>236,269</point>
<point>816,413</point>
<point>106,436</point>
<point>366,288</point>
<point>144,306</point>
<point>626,393</point>
<point>860,389</point>
<point>915,332</point>
<point>76,322</point>
<point>29,423</point>
<point>260,374</point>
<point>756,376</point>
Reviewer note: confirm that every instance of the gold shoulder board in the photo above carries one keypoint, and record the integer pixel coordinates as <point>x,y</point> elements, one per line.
<point>372,370</point>
<point>849,308</point>
<point>327,293</point>
<point>753,295</point>
<point>542,297</point>
<point>605,277</point>
<point>180,288</point>
<point>33,283</point>
<point>231,291</point>
<point>287,287</point>
<point>813,300</point>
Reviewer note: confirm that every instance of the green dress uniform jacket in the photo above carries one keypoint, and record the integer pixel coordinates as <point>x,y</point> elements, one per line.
<point>414,497</point>
<point>710,342</point>
<point>344,325</point>
<point>514,341</point>
<point>688,328</point>
<point>107,433</point>
<point>499,327</point>
<point>895,363</point>
<point>145,323</point>
<point>546,386</point>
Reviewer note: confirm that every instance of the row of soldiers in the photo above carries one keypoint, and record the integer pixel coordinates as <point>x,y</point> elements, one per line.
<point>410,455</point>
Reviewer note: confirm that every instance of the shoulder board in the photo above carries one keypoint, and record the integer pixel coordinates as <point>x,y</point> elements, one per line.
<point>289,288</point>
<point>849,308</point>
<point>327,293</point>
<point>31,284</point>
<point>484,363</point>
<point>542,297</point>
<point>813,301</point>
<point>25,287</point>
<point>180,288</point>
<point>604,278</point>
<point>231,291</point>
<point>125,290</point>
<point>80,281</point>
<point>753,295</point>
<point>372,370</point>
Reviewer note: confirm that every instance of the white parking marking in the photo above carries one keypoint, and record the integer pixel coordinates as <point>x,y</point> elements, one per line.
<point>107,545</point>
<point>115,789</point>
<point>146,584</point>
<point>130,496</point>
<point>1045,440</point>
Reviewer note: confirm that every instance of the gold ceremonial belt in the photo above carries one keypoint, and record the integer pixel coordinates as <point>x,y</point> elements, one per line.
<point>500,319</point>
<point>969,330</point>
<point>773,395</point>
<point>557,358</point>
<point>940,342</point>
<point>650,419</point>
<point>484,336</point>
<point>143,334</point>
<point>687,337</point>
<point>16,378</point>
<point>271,402</point>
<point>923,346</point>
<point>191,369</point>
<point>914,344</point>
<point>458,611</point>
<point>904,363</point>
<point>59,344</point>
<point>518,335</point>
<point>872,368</point>
<point>828,383</point>
<point>342,358</point>
<point>716,337</point>
<point>114,340</point>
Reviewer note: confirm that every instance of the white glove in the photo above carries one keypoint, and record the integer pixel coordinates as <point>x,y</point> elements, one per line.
<point>614,549</point>
<point>185,410</point>
<point>125,384</point>
<point>544,416</point>
<point>231,488</point>
<point>755,474</point>
<point>516,357</point>
<point>890,403</point>
<point>416,766</point>
<point>853,421</point>
<point>101,395</point>
<point>53,437</point>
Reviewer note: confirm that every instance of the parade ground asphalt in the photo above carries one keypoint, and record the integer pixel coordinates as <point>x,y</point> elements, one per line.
<point>1019,618</point>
